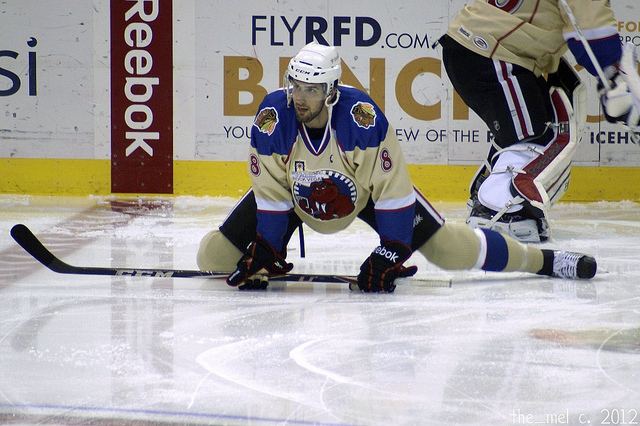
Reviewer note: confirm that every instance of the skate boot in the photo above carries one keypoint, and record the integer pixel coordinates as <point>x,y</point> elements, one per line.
<point>519,225</point>
<point>571,265</point>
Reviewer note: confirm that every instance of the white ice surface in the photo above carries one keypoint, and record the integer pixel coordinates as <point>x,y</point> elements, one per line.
<point>494,349</point>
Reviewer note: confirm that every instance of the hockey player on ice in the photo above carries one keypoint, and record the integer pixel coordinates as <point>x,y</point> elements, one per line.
<point>323,154</point>
<point>497,54</point>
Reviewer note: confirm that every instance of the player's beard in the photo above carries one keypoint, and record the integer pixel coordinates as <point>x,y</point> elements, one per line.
<point>308,115</point>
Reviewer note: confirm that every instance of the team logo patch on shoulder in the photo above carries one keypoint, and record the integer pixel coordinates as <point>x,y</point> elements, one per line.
<point>266,120</point>
<point>364,114</point>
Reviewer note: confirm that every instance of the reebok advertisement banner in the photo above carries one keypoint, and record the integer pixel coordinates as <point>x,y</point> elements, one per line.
<point>141,96</point>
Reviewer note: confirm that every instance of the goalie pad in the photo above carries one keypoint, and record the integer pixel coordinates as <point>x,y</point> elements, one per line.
<point>527,178</point>
<point>545,179</point>
<point>539,175</point>
<point>514,194</point>
<point>567,79</point>
<point>498,206</point>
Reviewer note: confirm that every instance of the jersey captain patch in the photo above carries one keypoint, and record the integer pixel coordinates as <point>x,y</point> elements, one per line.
<point>266,120</point>
<point>324,194</point>
<point>364,114</point>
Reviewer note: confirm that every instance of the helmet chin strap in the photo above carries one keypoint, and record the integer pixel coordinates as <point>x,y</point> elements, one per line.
<point>330,103</point>
<point>286,86</point>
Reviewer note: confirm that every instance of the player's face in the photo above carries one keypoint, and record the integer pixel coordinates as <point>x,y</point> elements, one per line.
<point>308,101</point>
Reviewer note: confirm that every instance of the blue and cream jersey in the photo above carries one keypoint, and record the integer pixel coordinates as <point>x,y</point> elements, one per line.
<point>330,179</point>
<point>535,33</point>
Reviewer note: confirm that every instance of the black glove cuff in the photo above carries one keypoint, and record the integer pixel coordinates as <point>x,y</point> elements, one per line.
<point>276,263</point>
<point>393,252</point>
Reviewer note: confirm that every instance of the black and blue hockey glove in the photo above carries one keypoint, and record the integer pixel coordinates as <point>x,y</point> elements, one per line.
<point>383,266</point>
<point>258,262</point>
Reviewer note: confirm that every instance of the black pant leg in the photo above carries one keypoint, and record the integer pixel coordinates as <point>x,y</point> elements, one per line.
<point>241,223</point>
<point>514,103</point>
<point>425,223</point>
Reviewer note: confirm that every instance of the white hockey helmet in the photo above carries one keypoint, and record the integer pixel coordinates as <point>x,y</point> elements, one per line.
<point>315,63</point>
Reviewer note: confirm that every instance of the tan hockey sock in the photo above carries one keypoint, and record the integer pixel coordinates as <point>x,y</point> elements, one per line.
<point>452,247</point>
<point>456,246</point>
<point>522,257</point>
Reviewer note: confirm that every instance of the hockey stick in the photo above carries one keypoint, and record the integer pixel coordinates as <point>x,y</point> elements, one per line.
<point>596,65</point>
<point>28,241</point>
<point>585,44</point>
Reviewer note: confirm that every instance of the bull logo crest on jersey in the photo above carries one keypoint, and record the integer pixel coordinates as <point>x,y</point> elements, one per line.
<point>324,194</point>
<point>266,120</point>
<point>509,6</point>
<point>364,114</point>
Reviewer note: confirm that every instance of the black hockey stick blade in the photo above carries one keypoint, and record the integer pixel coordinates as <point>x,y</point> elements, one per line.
<point>28,241</point>
<point>35,248</point>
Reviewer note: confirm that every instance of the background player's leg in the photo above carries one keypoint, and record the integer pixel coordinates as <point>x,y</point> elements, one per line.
<point>522,120</point>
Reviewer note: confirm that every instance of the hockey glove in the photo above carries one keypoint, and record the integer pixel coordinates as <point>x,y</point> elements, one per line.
<point>253,269</point>
<point>617,101</point>
<point>383,266</point>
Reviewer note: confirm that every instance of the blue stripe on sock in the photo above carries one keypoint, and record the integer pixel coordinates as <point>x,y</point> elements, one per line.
<point>497,251</point>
